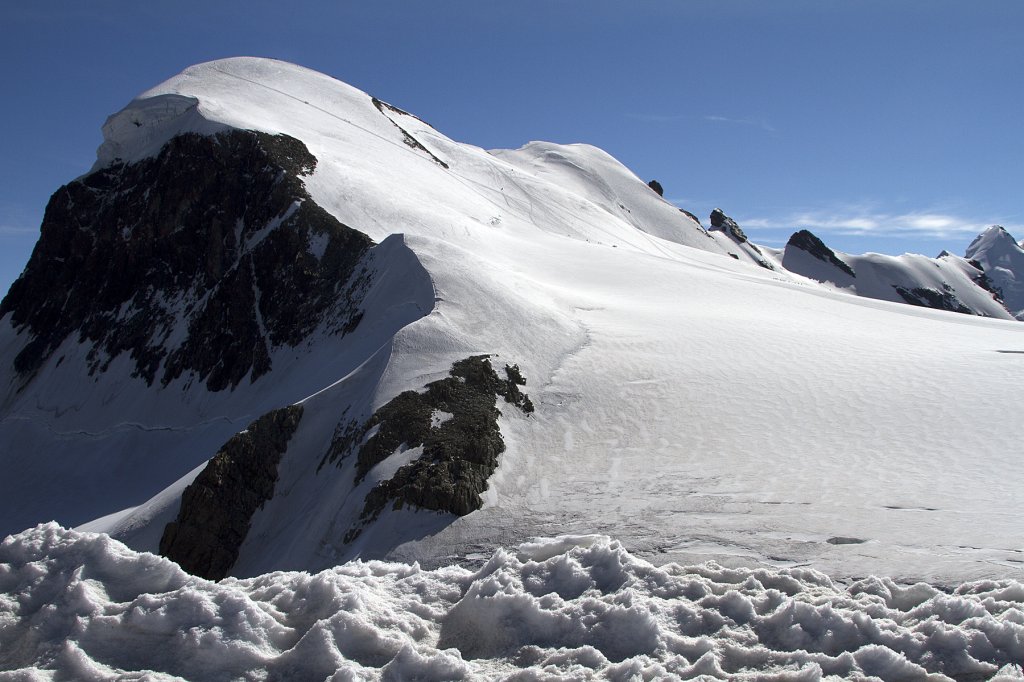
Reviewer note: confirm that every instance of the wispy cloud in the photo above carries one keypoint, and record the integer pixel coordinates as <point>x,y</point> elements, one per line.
<point>16,231</point>
<point>753,122</point>
<point>874,223</point>
<point>756,122</point>
<point>774,242</point>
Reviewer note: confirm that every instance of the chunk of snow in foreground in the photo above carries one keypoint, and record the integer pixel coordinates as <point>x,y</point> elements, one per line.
<point>84,606</point>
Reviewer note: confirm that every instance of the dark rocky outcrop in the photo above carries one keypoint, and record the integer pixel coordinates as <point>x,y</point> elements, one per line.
<point>691,216</point>
<point>843,540</point>
<point>723,223</point>
<point>980,278</point>
<point>656,186</point>
<point>932,298</point>
<point>460,452</point>
<point>215,235</point>
<point>983,281</point>
<point>407,137</point>
<point>217,508</point>
<point>806,241</point>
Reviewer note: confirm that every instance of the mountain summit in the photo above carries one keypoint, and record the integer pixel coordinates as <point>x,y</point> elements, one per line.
<point>1001,257</point>
<point>283,324</point>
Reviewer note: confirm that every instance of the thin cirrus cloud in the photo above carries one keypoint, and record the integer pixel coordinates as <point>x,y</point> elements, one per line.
<point>755,122</point>
<point>15,230</point>
<point>878,224</point>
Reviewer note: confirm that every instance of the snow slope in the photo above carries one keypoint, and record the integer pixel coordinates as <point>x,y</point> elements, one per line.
<point>691,404</point>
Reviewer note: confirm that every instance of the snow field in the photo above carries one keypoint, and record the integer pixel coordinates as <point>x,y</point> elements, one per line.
<point>698,409</point>
<point>81,605</point>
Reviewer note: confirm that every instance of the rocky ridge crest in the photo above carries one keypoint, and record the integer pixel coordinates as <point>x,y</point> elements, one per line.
<point>202,259</point>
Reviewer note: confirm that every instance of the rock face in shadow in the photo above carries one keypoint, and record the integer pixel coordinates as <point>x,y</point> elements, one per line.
<point>217,507</point>
<point>455,421</point>
<point>723,223</point>
<point>691,216</point>
<point>201,259</point>
<point>932,298</point>
<point>808,242</point>
<point>983,281</point>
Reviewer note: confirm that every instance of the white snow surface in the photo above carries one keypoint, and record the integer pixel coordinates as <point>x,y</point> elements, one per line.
<point>692,405</point>
<point>83,606</point>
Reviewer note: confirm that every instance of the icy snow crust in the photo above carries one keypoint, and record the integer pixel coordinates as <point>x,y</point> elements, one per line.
<point>692,405</point>
<point>83,606</point>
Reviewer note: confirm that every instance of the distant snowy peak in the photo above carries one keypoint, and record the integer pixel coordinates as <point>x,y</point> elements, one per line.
<point>993,242</point>
<point>1001,258</point>
<point>945,283</point>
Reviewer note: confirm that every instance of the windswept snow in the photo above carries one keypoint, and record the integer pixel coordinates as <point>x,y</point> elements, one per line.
<point>83,606</point>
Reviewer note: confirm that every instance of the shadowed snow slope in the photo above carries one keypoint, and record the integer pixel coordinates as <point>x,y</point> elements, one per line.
<point>83,606</point>
<point>693,405</point>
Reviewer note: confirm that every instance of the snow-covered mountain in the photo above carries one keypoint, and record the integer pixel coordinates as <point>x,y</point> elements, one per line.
<point>1001,258</point>
<point>282,324</point>
<point>944,283</point>
<point>394,344</point>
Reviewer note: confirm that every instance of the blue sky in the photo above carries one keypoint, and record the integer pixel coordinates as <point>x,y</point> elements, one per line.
<point>881,126</point>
